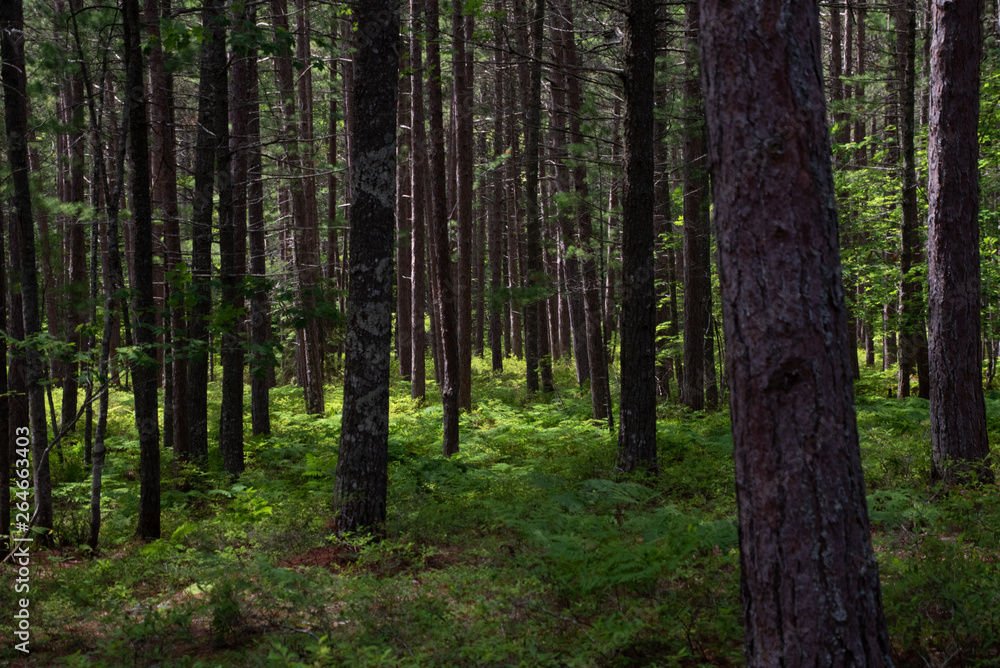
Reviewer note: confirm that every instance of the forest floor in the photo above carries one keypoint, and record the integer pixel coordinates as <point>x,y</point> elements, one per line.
<point>525,549</point>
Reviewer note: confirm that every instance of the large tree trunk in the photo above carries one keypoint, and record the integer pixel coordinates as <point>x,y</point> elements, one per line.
<point>637,411</point>
<point>362,467</point>
<point>232,265</point>
<point>697,255</point>
<point>958,414</point>
<point>209,147</point>
<point>164,179</point>
<point>16,119</point>
<point>810,584</point>
<point>443,273</point>
<point>146,371</point>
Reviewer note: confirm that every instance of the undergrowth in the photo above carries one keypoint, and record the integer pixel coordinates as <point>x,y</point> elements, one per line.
<point>524,549</point>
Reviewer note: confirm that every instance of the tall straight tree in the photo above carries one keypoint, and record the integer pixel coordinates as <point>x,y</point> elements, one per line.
<point>463,97</point>
<point>146,370</point>
<point>498,207</point>
<point>440,246</point>
<point>163,173</point>
<point>418,208</point>
<point>697,255</point>
<point>809,579</point>
<point>911,325</point>
<point>958,413</point>
<point>208,148</point>
<point>260,316</point>
<point>637,411</point>
<point>232,252</point>
<point>16,120</point>
<point>362,467</point>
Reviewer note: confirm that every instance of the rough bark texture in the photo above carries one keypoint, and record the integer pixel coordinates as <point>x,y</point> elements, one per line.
<point>810,586</point>
<point>697,256</point>
<point>213,61</point>
<point>16,119</point>
<point>958,414</point>
<point>440,246</point>
<point>232,257</point>
<point>362,466</point>
<point>146,371</point>
<point>637,420</point>
<point>534,319</point>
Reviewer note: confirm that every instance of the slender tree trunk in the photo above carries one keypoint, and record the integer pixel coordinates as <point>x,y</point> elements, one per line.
<point>16,119</point>
<point>362,467</point>
<point>697,256</point>
<point>637,418</point>
<point>404,203</point>
<point>207,151</point>
<point>446,293</point>
<point>958,413</point>
<point>418,196</point>
<point>232,256</point>
<point>911,326</point>
<point>498,213</point>
<point>145,372</point>
<point>261,361</point>
<point>463,99</point>
<point>810,587</point>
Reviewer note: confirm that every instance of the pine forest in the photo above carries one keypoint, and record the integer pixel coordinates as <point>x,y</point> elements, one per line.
<point>499,333</point>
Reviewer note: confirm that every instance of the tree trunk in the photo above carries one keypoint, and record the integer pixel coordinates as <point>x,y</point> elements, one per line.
<point>958,414</point>
<point>418,209</point>
<point>404,203</point>
<point>697,255</point>
<point>810,586</point>
<point>911,325</point>
<point>362,467</point>
<point>146,371</point>
<point>463,98</point>
<point>16,119</point>
<point>446,293</point>
<point>498,212</point>
<point>232,255</point>
<point>637,419</point>
<point>261,360</point>
<point>209,147</point>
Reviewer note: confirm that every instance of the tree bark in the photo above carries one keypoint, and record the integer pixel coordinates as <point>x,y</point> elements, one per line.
<point>207,151</point>
<point>362,467</point>
<point>697,238</point>
<point>418,196</point>
<point>463,98</point>
<point>958,413</point>
<point>810,586</point>
<point>637,411</point>
<point>440,246</point>
<point>261,360</point>
<point>16,119</point>
<point>146,370</point>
